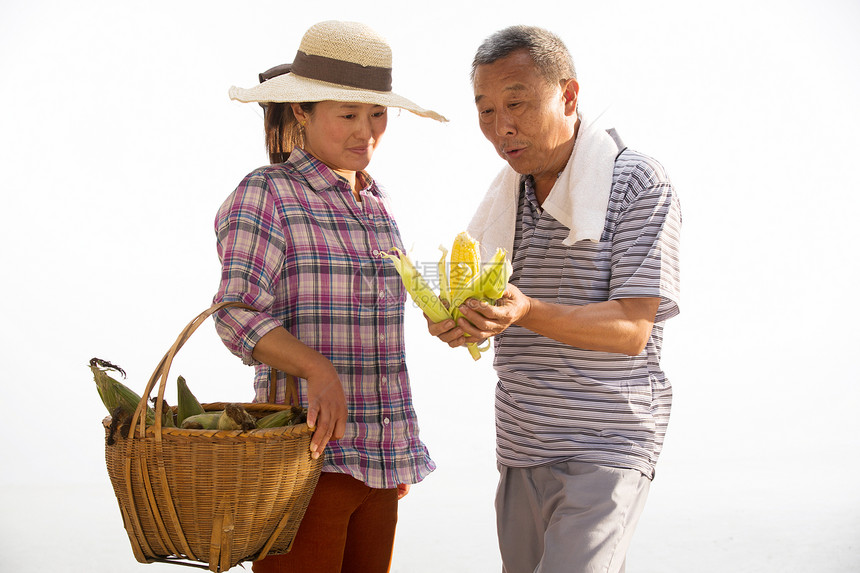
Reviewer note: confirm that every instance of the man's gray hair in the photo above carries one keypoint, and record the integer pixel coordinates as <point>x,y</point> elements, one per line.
<point>548,52</point>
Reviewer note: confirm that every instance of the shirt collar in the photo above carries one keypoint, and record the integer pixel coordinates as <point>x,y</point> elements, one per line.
<point>531,197</point>
<point>321,178</point>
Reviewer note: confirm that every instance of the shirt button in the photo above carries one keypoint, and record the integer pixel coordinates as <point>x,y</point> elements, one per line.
<point>375,252</point>
<point>381,338</point>
<point>386,421</point>
<point>384,379</point>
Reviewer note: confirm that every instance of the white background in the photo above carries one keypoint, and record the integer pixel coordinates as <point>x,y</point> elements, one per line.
<point>118,143</point>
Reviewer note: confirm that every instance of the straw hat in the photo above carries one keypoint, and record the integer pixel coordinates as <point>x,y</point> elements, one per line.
<point>337,61</point>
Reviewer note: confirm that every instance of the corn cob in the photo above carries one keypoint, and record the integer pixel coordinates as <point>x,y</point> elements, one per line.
<point>488,285</point>
<point>495,275</point>
<point>280,418</point>
<point>115,394</point>
<point>470,280</point>
<point>467,279</point>
<point>204,421</point>
<point>128,401</point>
<point>427,300</point>
<point>276,419</point>
<point>444,287</point>
<point>465,262</point>
<point>104,385</point>
<point>186,403</point>
<point>167,420</point>
<point>235,417</point>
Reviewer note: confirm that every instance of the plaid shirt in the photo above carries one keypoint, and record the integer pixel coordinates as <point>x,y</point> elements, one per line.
<point>296,245</point>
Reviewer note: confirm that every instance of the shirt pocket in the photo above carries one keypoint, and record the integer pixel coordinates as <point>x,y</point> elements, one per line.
<point>586,272</point>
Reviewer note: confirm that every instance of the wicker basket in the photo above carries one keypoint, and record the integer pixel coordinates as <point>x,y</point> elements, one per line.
<point>211,496</point>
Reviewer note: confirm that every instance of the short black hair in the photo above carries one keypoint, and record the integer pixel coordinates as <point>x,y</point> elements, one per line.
<point>547,51</point>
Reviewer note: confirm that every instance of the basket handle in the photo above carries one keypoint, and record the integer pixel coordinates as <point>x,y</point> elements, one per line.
<point>163,368</point>
<point>292,395</point>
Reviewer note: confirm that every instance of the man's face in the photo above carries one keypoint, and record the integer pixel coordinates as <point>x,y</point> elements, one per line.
<point>525,118</point>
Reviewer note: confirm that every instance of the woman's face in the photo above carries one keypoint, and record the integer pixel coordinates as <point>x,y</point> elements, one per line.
<point>343,135</point>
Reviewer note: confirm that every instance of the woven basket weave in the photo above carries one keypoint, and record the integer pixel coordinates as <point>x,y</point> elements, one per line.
<point>209,496</point>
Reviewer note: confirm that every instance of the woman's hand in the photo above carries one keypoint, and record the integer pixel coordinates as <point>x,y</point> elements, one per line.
<point>327,411</point>
<point>402,490</point>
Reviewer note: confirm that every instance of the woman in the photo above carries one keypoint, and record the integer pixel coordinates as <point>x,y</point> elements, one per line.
<point>299,241</point>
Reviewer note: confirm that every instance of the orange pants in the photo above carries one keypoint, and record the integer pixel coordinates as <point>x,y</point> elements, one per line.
<point>348,528</point>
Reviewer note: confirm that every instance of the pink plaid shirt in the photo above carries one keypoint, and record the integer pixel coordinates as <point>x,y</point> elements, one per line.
<point>296,245</point>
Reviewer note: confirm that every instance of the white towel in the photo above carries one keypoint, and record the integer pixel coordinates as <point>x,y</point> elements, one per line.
<point>578,199</point>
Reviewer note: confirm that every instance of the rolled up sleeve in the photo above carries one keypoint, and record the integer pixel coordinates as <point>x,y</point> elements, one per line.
<point>251,248</point>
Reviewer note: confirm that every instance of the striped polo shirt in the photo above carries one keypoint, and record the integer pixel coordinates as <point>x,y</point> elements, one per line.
<point>296,245</point>
<point>556,402</point>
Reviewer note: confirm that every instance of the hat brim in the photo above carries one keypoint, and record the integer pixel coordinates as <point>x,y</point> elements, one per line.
<point>297,89</point>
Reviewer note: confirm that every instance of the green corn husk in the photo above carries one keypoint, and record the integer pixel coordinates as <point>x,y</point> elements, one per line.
<point>186,403</point>
<point>488,285</point>
<point>235,417</point>
<point>427,300</point>
<point>276,419</point>
<point>128,401</point>
<point>444,287</point>
<point>204,421</point>
<point>115,394</point>
<point>105,387</point>
<point>295,415</point>
<point>167,415</point>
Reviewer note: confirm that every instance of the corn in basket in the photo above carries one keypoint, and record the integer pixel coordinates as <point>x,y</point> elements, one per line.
<point>215,497</point>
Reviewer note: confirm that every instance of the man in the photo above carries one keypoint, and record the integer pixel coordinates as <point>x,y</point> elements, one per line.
<point>593,232</point>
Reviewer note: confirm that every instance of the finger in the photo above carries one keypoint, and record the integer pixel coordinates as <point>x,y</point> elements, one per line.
<point>474,324</point>
<point>318,443</point>
<point>313,411</point>
<point>321,435</point>
<point>453,338</point>
<point>478,323</point>
<point>438,328</point>
<point>477,305</point>
<point>339,428</point>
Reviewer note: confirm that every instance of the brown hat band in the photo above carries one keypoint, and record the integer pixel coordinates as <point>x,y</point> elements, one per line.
<point>339,72</point>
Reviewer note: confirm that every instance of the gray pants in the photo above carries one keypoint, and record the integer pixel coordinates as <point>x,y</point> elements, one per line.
<point>567,517</point>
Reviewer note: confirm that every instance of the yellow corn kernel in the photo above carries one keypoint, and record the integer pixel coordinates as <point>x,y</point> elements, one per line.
<point>465,262</point>
<point>466,279</point>
<point>489,284</point>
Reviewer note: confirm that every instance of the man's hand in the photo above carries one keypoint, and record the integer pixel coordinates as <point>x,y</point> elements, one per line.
<point>621,325</point>
<point>446,331</point>
<point>481,320</point>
